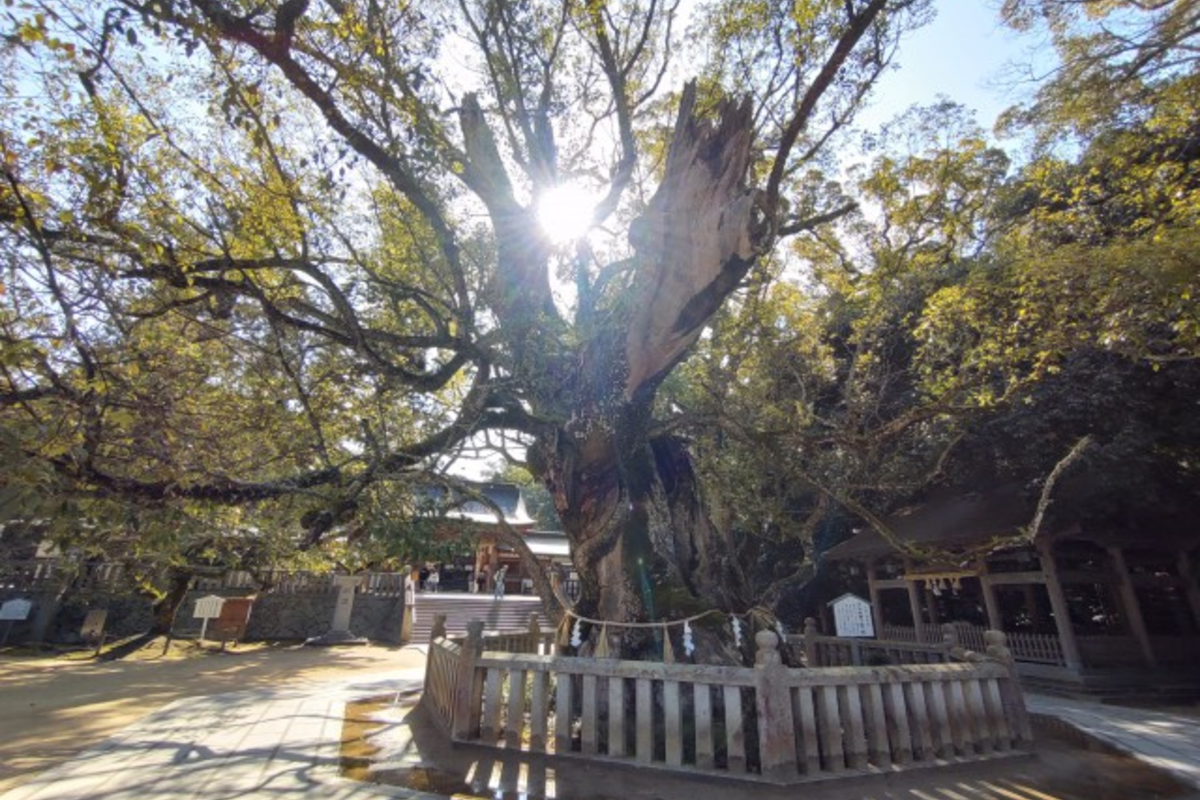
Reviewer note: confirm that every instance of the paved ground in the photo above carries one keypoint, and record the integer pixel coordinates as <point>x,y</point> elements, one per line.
<point>1166,740</point>
<point>51,709</point>
<point>257,744</point>
<point>282,738</point>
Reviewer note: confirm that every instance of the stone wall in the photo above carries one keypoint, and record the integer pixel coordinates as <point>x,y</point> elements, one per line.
<point>294,616</point>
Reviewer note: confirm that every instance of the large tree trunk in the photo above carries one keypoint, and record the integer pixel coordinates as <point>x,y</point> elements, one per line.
<point>167,607</point>
<point>630,505</point>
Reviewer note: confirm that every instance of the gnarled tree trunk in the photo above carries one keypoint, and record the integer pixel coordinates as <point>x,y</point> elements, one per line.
<point>628,501</point>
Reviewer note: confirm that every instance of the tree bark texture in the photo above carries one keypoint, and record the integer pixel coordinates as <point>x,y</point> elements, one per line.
<point>630,503</point>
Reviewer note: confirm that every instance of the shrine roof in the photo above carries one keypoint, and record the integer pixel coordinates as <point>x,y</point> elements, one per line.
<point>948,519</point>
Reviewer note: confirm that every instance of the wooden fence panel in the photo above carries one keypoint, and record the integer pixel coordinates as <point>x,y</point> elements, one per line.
<point>878,750</point>
<point>956,708</point>
<point>672,723</point>
<point>995,705</point>
<point>514,723</point>
<point>494,683</point>
<point>539,711</point>
<point>808,753</point>
<point>899,733</point>
<point>590,717</point>
<point>853,729</point>
<point>939,721</point>
<point>978,716</point>
<point>811,723</point>
<point>832,752</point>
<point>735,730</point>
<point>563,714</point>
<point>919,722</point>
<point>616,716</point>
<point>702,703</point>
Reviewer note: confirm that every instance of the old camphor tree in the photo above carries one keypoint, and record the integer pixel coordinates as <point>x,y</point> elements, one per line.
<point>269,250</point>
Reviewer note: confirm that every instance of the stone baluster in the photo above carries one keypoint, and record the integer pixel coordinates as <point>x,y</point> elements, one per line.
<point>776,726</point>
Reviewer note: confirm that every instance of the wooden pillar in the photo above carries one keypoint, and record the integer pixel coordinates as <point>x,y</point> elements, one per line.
<point>1190,585</point>
<point>1058,604</point>
<point>995,621</point>
<point>1133,609</point>
<point>914,602</point>
<point>876,609</point>
<point>935,619</point>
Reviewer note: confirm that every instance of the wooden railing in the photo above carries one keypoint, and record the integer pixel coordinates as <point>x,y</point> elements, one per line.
<point>441,673</point>
<point>44,574</point>
<point>767,722</point>
<point>531,640</point>
<point>299,582</point>
<point>1038,648</point>
<point>926,634</point>
<point>833,651</point>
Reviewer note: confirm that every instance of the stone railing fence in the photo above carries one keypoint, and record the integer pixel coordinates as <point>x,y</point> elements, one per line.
<point>1037,648</point>
<point>767,722</point>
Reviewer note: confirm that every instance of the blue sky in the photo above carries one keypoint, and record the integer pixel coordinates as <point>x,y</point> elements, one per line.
<point>964,54</point>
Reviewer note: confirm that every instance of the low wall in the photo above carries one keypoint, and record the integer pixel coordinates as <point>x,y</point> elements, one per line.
<point>292,615</point>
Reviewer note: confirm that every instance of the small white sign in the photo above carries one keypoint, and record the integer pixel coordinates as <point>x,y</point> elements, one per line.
<point>209,607</point>
<point>852,617</point>
<point>15,609</point>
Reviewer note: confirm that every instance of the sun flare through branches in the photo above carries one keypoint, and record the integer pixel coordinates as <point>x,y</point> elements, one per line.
<point>565,213</point>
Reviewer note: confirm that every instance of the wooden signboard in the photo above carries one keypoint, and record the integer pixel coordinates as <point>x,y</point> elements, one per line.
<point>13,611</point>
<point>852,616</point>
<point>230,626</point>
<point>93,628</point>
<point>208,608</point>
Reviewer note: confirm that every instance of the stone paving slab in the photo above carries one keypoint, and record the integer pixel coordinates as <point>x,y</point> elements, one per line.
<point>1168,741</point>
<point>266,744</point>
<point>255,744</point>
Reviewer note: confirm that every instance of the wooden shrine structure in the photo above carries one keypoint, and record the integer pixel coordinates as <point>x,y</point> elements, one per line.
<point>1093,610</point>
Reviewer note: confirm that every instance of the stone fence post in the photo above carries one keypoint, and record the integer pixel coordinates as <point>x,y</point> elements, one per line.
<point>776,725</point>
<point>468,687</point>
<point>535,634</point>
<point>1010,688</point>
<point>811,658</point>
<point>950,641</point>
<point>436,632</point>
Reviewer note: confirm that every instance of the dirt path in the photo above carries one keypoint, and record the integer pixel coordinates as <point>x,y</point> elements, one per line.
<point>51,709</point>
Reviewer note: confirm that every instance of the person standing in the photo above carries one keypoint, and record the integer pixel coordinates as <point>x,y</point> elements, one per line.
<point>434,580</point>
<point>500,575</point>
